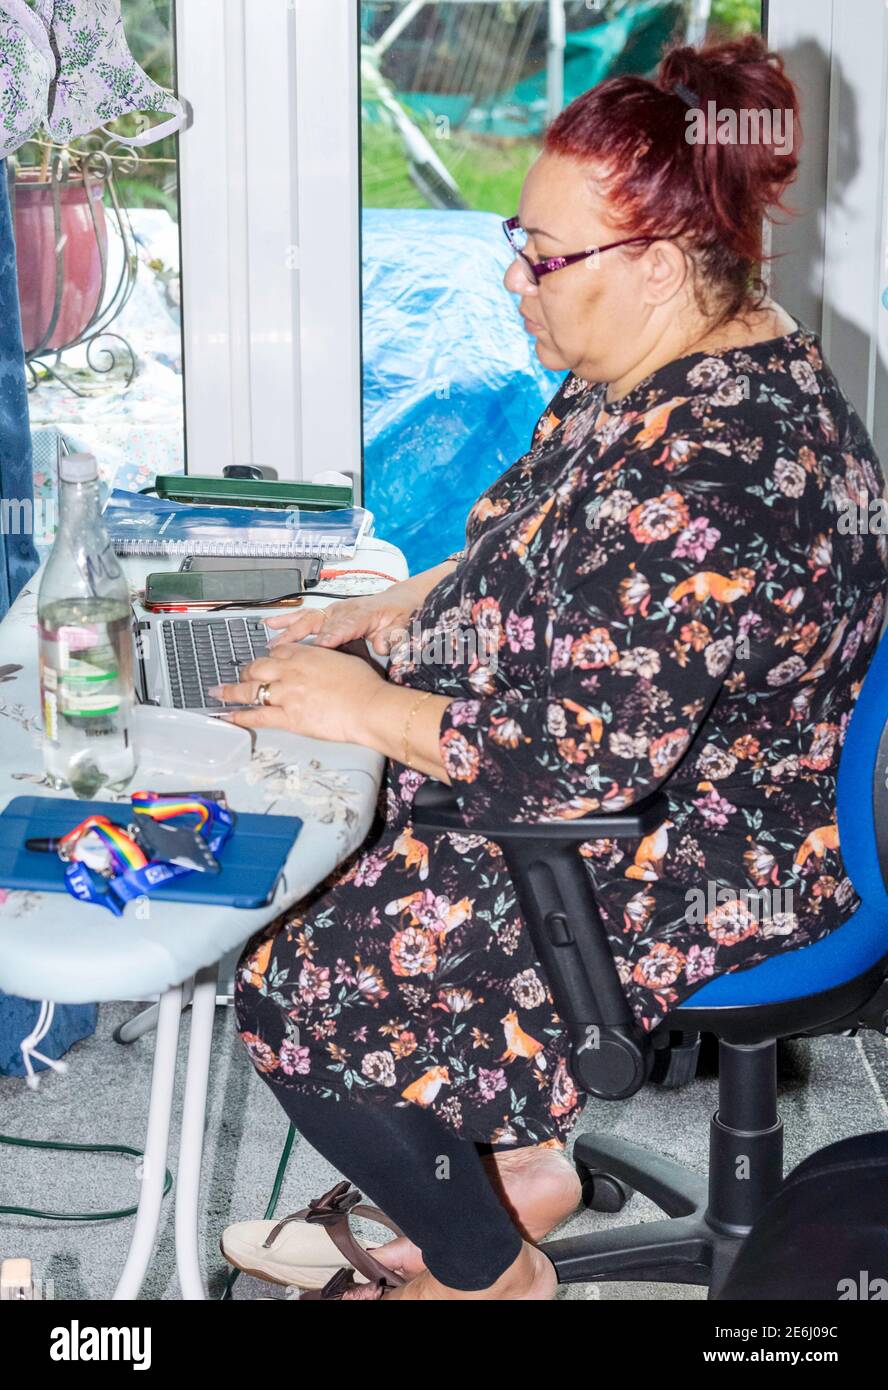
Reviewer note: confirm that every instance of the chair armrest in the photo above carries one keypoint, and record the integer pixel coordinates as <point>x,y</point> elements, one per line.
<point>610,1055</point>
<point>436,808</point>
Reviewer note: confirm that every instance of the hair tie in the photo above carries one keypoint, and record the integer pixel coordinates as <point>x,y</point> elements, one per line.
<point>688,97</point>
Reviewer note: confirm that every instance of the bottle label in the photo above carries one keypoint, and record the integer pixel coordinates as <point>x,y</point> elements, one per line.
<point>83,681</point>
<point>50,705</point>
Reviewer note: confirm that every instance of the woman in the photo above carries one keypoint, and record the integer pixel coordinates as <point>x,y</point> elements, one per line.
<point>666,598</point>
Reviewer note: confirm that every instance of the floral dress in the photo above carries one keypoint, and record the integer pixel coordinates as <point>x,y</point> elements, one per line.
<point>661,593</point>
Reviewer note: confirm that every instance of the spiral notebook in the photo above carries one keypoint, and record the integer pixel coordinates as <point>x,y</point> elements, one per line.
<point>142,525</point>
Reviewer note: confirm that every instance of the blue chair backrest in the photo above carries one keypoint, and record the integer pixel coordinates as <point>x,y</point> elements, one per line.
<point>862,793</point>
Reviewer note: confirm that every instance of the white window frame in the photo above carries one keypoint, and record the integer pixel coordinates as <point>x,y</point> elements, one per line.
<point>835,256</point>
<point>270,231</point>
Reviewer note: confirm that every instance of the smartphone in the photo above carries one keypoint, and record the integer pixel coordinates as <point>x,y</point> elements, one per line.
<point>310,566</point>
<point>204,589</point>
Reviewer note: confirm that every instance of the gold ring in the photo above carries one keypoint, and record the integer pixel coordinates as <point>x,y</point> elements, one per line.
<point>262,694</point>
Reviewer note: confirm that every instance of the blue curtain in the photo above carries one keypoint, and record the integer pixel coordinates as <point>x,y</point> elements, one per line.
<point>18,557</point>
<point>18,561</point>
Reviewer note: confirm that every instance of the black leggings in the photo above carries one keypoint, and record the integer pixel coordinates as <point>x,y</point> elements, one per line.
<point>422,1175</point>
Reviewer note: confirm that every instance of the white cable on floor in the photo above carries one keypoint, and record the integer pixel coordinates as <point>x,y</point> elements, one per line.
<point>29,1045</point>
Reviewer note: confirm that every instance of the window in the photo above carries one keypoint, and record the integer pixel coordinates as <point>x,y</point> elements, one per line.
<point>100,303</point>
<point>455,96</point>
<point>253,353</point>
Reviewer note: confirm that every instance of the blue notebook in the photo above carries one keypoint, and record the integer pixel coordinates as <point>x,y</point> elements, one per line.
<point>142,525</point>
<point>252,859</point>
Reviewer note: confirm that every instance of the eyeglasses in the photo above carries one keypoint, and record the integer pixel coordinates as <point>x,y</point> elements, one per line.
<point>535,270</point>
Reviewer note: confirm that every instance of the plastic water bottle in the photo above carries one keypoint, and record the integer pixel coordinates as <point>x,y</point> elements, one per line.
<point>86,646</point>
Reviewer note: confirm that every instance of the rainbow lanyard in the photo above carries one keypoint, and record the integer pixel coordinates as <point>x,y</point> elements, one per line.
<point>133,874</point>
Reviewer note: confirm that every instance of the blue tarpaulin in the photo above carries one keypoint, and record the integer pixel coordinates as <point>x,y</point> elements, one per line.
<point>452,384</point>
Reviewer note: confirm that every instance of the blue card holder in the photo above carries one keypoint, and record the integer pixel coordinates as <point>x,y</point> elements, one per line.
<point>252,859</point>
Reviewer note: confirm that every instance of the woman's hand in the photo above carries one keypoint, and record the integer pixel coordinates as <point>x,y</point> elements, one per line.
<point>380,618</point>
<point>313,692</point>
<point>329,695</point>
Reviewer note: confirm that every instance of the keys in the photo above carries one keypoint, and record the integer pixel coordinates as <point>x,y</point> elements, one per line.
<point>206,652</point>
<point>258,638</point>
<point>169,646</point>
<point>190,648</point>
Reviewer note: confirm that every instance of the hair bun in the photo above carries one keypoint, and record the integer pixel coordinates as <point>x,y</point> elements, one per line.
<point>673,173</point>
<point>741,73</point>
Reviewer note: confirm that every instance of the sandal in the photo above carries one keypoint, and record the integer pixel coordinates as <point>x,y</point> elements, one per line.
<point>343,1285</point>
<point>311,1254</point>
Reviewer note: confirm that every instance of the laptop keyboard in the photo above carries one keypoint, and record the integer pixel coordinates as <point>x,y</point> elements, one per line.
<point>203,652</point>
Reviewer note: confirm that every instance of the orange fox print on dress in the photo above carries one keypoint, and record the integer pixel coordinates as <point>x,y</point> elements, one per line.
<point>672,606</point>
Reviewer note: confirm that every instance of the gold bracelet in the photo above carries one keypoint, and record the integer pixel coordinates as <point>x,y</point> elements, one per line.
<point>421,700</point>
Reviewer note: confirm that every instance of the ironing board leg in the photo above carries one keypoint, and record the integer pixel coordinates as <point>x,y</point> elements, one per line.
<point>142,1023</point>
<point>191,1142</point>
<point>166,1046</point>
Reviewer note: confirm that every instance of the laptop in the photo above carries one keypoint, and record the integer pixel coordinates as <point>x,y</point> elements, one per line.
<point>178,656</point>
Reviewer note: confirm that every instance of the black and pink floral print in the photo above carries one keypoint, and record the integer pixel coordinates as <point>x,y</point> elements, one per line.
<point>666,601</point>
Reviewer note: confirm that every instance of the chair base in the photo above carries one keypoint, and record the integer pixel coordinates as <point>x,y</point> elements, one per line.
<point>683,1249</point>
<point>706,1221</point>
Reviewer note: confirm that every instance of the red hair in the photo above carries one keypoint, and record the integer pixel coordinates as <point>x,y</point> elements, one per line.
<point>713,196</point>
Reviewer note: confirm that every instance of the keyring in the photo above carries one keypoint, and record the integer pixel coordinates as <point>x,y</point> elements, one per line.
<point>262,694</point>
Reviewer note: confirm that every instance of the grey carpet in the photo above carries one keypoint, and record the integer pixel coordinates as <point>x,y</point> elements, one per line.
<point>829,1088</point>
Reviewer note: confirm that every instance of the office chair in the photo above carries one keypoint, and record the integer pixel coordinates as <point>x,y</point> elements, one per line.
<point>837,984</point>
<point>824,1236</point>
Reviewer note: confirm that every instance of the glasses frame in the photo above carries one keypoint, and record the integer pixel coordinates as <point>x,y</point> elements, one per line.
<point>538,269</point>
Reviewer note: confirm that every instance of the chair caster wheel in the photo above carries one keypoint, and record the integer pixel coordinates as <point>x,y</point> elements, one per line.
<point>676,1066</point>
<point>601,1192</point>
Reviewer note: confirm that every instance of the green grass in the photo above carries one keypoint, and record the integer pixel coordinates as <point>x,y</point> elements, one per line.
<point>489,172</point>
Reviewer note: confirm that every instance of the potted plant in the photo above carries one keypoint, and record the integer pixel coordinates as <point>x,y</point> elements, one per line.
<point>61,231</point>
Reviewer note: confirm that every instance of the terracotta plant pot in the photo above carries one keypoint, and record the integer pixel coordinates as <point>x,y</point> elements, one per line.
<point>81,261</point>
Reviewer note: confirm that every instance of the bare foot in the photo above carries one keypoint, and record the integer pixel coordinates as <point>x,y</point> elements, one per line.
<point>530,1278</point>
<point>538,1187</point>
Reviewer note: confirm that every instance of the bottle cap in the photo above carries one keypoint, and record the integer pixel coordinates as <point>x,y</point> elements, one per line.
<point>78,468</point>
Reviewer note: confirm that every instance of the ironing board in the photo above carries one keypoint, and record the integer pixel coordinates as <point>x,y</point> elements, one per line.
<point>332,788</point>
